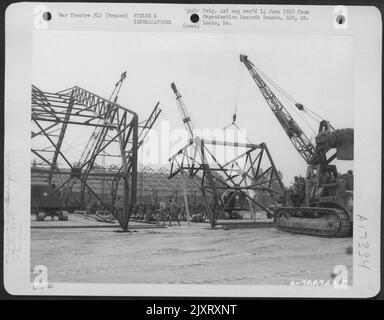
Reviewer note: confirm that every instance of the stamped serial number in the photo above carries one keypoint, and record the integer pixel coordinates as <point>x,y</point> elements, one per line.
<point>311,283</point>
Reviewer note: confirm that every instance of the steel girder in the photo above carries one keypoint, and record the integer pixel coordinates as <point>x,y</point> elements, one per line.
<point>112,132</point>
<point>250,171</point>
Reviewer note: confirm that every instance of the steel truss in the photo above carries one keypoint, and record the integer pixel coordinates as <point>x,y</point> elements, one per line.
<point>245,173</point>
<point>114,133</point>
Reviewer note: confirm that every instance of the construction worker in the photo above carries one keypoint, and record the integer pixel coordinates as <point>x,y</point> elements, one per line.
<point>88,208</point>
<point>349,180</point>
<point>183,212</point>
<point>297,189</point>
<point>298,184</point>
<point>162,212</point>
<point>173,211</point>
<point>148,213</point>
<point>141,211</point>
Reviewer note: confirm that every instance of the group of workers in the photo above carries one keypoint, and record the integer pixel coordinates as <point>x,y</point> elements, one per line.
<point>162,212</point>
<point>169,211</point>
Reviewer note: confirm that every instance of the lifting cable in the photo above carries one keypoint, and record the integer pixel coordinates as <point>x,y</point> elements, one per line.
<point>238,129</point>
<point>297,106</point>
<point>237,95</point>
<point>97,130</point>
<point>284,95</point>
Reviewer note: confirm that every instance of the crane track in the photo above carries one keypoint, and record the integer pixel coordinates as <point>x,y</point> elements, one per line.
<point>343,230</point>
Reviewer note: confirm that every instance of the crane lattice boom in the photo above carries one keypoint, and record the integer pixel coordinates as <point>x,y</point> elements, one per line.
<point>183,111</point>
<point>300,141</point>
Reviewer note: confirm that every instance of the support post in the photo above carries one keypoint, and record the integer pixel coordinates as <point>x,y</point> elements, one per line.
<point>185,199</point>
<point>132,193</point>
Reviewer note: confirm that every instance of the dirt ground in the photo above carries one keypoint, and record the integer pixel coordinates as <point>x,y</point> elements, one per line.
<point>185,255</point>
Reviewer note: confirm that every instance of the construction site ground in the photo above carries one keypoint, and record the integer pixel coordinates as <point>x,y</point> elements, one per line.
<point>83,250</point>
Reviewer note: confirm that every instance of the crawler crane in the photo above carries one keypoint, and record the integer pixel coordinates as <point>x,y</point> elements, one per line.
<point>320,204</point>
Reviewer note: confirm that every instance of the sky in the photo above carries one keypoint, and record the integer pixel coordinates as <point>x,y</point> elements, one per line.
<point>316,70</point>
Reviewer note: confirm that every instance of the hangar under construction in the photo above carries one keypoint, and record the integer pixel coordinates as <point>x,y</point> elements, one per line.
<point>100,173</point>
<point>109,132</point>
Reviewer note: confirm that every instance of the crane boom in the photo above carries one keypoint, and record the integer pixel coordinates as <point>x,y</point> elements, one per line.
<point>183,111</point>
<point>98,130</point>
<point>320,204</point>
<point>298,138</point>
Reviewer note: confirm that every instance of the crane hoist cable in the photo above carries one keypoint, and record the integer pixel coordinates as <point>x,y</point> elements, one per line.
<point>240,79</point>
<point>297,107</point>
<point>97,130</point>
<point>234,124</point>
<point>284,94</point>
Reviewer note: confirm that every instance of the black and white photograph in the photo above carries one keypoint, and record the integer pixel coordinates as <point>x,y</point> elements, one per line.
<point>195,153</point>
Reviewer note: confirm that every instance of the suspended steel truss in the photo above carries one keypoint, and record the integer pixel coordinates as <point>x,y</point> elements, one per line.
<point>250,170</point>
<point>111,135</point>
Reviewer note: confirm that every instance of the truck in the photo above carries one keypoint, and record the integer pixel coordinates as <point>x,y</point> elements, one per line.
<point>46,201</point>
